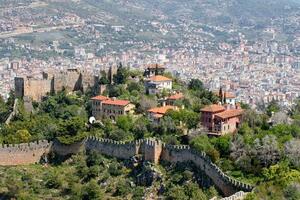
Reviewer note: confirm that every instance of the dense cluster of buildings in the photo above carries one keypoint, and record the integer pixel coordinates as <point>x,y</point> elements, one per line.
<point>217,119</point>
<point>256,70</point>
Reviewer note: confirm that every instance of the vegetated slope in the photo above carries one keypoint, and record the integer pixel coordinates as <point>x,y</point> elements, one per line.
<point>209,11</point>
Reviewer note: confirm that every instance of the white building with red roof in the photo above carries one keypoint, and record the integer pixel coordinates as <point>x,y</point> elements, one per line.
<point>156,84</point>
<point>104,107</point>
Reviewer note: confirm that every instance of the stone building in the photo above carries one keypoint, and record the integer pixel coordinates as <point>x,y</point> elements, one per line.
<point>34,89</point>
<point>153,70</point>
<point>157,84</point>
<point>70,80</point>
<point>221,120</point>
<point>104,107</point>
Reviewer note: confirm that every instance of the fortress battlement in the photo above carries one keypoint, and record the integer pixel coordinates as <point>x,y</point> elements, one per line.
<point>152,150</point>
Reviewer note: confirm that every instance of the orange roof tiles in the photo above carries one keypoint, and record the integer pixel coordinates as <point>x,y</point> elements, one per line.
<point>176,96</point>
<point>230,113</point>
<point>229,95</point>
<point>162,110</point>
<point>116,102</point>
<point>213,108</point>
<point>159,78</point>
<point>100,98</point>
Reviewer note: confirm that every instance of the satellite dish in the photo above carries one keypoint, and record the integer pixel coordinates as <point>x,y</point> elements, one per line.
<point>92,120</point>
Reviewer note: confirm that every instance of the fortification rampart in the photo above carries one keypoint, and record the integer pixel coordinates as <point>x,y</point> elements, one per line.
<point>237,196</point>
<point>64,150</point>
<point>225,183</point>
<point>70,80</point>
<point>13,113</point>
<point>22,154</point>
<point>151,150</point>
<point>122,150</point>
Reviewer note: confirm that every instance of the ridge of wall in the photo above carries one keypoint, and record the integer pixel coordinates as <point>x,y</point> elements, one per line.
<point>152,150</point>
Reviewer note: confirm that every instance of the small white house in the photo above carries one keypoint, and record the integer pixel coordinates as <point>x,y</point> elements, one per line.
<point>156,84</point>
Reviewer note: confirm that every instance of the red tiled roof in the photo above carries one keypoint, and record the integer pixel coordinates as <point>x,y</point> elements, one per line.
<point>100,98</point>
<point>159,78</point>
<point>230,113</point>
<point>176,96</point>
<point>116,102</point>
<point>162,110</point>
<point>213,108</point>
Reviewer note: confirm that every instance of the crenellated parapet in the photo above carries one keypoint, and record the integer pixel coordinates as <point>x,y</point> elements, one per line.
<point>151,149</point>
<point>184,153</point>
<point>25,153</point>
<point>25,146</point>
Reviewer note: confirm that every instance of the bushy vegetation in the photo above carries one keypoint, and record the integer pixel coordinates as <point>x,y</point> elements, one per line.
<point>94,177</point>
<point>261,153</point>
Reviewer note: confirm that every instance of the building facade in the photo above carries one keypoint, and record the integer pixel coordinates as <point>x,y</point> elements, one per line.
<point>104,107</point>
<point>157,84</point>
<point>153,70</point>
<point>51,82</point>
<point>155,114</point>
<point>220,120</point>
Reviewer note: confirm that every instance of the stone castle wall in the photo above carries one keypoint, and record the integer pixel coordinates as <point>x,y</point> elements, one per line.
<point>22,154</point>
<point>36,89</point>
<point>151,150</point>
<point>184,153</point>
<point>71,80</point>
<point>122,150</point>
<point>64,150</point>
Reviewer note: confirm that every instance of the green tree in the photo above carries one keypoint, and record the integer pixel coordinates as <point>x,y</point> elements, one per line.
<point>202,144</point>
<point>190,118</point>
<point>193,191</point>
<point>222,144</point>
<point>195,84</point>
<point>176,193</point>
<point>121,76</point>
<point>23,135</point>
<point>125,122</point>
<point>103,79</point>
<point>134,86</point>
<point>92,191</point>
<point>273,107</point>
<point>4,110</point>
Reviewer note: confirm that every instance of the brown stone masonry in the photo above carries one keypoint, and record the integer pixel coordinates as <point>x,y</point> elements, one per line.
<point>151,150</point>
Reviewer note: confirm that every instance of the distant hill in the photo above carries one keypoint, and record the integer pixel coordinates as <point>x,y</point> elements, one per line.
<point>218,12</point>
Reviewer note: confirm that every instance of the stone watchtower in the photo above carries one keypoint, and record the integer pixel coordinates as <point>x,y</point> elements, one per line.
<point>19,87</point>
<point>153,150</point>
